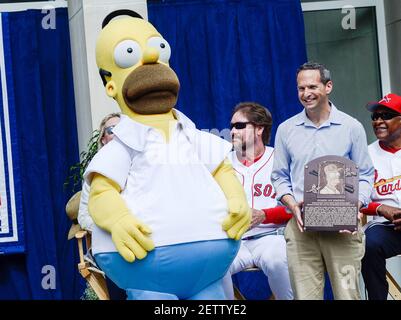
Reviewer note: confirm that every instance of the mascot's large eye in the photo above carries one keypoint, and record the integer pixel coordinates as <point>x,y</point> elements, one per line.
<point>162,46</point>
<point>127,53</point>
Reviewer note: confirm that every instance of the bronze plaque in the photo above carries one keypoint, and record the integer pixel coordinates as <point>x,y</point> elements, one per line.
<point>330,194</point>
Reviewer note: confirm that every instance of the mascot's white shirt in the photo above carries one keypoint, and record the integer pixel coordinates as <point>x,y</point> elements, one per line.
<point>256,180</point>
<point>167,186</point>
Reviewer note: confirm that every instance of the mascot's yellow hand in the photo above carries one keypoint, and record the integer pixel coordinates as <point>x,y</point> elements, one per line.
<point>239,213</point>
<point>131,238</point>
<point>239,218</point>
<point>109,212</point>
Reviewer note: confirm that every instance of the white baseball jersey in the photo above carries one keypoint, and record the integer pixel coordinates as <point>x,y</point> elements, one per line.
<point>256,180</point>
<point>387,185</point>
<point>167,186</point>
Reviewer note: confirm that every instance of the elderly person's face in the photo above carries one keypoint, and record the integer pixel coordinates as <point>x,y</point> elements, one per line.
<point>389,128</point>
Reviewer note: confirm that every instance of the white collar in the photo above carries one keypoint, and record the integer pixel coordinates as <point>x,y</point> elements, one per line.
<point>134,134</point>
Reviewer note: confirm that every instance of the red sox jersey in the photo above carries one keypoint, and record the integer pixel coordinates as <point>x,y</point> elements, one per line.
<point>256,180</point>
<point>387,185</point>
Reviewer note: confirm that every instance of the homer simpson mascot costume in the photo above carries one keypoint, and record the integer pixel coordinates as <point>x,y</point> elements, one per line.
<point>168,207</point>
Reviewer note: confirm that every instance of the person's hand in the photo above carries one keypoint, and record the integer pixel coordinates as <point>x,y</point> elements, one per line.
<point>348,231</point>
<point>131,238</point>
<point>392,214</point>
<point>258,216</point>
<point>238,219</point>
<point>296,209</point>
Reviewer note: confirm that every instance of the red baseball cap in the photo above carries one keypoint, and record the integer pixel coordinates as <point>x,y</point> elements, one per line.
<point>391,101</point>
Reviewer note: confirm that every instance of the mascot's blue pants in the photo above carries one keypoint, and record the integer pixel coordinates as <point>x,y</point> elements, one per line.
<point>184,271</point>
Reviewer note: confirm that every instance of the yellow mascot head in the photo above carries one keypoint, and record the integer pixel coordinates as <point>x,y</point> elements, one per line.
<point>133,60</point>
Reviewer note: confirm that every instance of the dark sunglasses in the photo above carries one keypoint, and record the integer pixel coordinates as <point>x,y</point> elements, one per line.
<point>383,115</point>
<point>239,125</point>
<point>109,130</point>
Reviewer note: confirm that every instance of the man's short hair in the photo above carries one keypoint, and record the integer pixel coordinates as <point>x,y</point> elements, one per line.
<point>325,75</point>
<point>258,115</point>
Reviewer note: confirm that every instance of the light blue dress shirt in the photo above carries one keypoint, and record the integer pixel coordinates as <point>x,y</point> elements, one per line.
<point>299,141</point>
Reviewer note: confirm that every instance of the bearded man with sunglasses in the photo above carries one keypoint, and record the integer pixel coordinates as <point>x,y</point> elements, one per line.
<point>383,233</point>
<point>263,245</point>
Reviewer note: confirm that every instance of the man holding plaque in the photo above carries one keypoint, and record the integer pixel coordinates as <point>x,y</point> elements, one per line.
<point>320,130</point>
<point>383,233</point>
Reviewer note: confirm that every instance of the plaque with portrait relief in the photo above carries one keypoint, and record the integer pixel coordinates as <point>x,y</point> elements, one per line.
<point>331,185</point>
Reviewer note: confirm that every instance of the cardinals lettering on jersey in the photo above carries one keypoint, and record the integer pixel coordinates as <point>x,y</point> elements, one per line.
<point>385,188</point>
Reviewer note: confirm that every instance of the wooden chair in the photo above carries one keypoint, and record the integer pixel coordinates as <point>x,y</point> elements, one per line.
<point>86,268</point>
<point>90,273</point>
<point>394,288</point>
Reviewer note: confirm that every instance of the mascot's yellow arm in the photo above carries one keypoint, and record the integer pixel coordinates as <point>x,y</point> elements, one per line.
<point>239,214</point>
<point>108,210</point>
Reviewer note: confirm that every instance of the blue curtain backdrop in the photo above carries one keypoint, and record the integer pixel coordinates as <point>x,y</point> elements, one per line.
<point>227,51</point>
<point>39,78</point>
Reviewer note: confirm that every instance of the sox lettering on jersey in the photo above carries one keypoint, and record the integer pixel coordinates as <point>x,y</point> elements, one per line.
<point>267,190</point>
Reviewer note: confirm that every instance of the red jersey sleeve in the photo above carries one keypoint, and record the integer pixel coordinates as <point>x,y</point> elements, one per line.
<point>370,210</point>
<point>277,215</point>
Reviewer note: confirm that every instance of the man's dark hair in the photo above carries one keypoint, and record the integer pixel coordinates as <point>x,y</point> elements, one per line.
<point>258,115</point>
<point>324,72</point>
